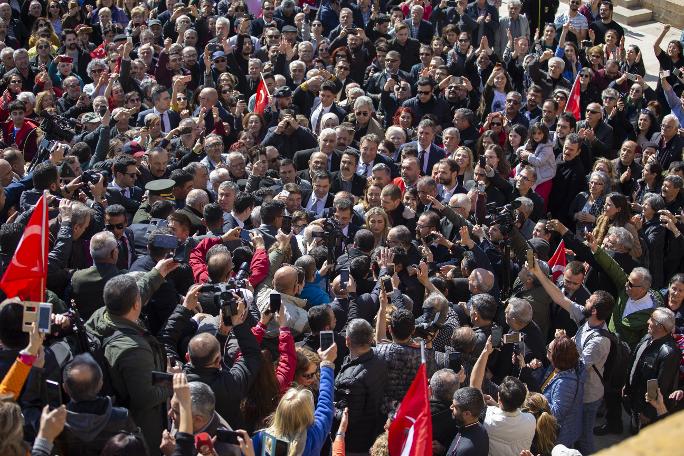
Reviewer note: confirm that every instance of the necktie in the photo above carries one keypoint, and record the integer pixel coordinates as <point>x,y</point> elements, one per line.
<point>423,164</point>
<point>314,204</point>
<point>365,170</point>
<point>122,262</point>
<point>317,122</point>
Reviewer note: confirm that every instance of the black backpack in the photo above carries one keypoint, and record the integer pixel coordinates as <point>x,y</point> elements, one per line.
<point>616,368</point>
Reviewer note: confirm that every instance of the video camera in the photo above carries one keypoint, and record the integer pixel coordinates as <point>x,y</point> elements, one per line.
<point>331,232</point>
<point>504,216</point>
<point>428,330</point>
<point>224,295</point>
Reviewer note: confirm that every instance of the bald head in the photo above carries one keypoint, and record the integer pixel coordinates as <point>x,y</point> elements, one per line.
<point>197,199</point>
<point>204,350</point>
<point>285,280</point>
<point>5,172</point>
<point>482,280</point>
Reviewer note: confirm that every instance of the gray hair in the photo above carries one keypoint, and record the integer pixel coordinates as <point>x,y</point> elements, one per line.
<point>654,200</point>
<point>664,317</point>
<point>18,52</point>
<point>610,93</point>
<point>604,178</point>
<point>452,131</point>
<point>438,302</point>
<point>645,275</point>
<point>223,21</point>
<point>443,385</point>
<point>197,198</point>
<point>624,237</point>
<point>101,245</point>
<point>519,310</point>
<point>673,118</point>
<point>360,333</point>
<point>364,102</point>
<point>234,156</point>
<point>27,97</point>
<point>218,176</point>
<point>526,205</point>
<point>559,61</point>
<point>462,200</point>
<point>295,63</point>
<point>203,400</point>
<point>327,132</point>
<point>95,63</point>
<point>229,185</point>
<point>80,213</point>
<point>355,91</point>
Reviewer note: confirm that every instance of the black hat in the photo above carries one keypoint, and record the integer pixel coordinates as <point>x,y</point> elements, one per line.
<point>289,28</point>
<point>283,91</point>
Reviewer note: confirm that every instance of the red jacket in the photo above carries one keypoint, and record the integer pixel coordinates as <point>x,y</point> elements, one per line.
<point>25,140</point>
<point>285,371</point>
<point>259,264</point>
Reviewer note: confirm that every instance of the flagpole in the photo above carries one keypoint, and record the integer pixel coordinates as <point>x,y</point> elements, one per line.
<point>265,86</point>
<point>422,351</point>
<point>43,245</point>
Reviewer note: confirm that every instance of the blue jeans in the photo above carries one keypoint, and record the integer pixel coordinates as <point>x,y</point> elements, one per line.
<point>586,442</point>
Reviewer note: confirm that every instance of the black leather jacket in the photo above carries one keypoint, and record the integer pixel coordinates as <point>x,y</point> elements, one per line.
<point>659,360</point>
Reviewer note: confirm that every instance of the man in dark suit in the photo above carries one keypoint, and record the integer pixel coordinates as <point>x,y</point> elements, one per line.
<point>87,285</point>
<point>326,95</point>
<point>327,141</point>
<point>257,26</point>
<point>428,152</point>
<point>122,190</point>
<point>271,221</point>
<point>316,201</point>
<point>368,146</point>
<point>194,207</point>
<point>487,18</point>
<point>115,222</point>
<point>346,178</point>
<point>425,102</point>
<point>419,28</point>
<point>406,46</point>
<point>162,103</point>
<point>393,66</point>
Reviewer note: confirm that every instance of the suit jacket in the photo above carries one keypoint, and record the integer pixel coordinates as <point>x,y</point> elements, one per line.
<point>124,263</point>
<point>87,286</point>
<point>174,118</point>
<point>258,25</point>
<point>269,232</point>
<point>306,196</point>
<point>301,159</point>
<point>358,184</point>
<point>504,25</point>
<point>425,30</point>
<point>436,154</point>
<point>131,204</point>
<point>335,109</point>
<point>376,82</point>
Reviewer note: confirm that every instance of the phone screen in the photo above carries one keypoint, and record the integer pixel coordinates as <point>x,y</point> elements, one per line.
<point>287,224</point>
<point>44,313</point>
<point>497,333</point>
<point>275,302</point>
<point>344,278</point>
<point>326,339</point>
<point>512,338</point>
<point>387,284</point>
<point>54,391</point>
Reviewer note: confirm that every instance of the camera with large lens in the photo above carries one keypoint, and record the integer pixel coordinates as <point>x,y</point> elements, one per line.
<point>331,231</point>
<point>428,330</point>
<point>58,127</point>
<point>503,216</point>
<point>223,296</point>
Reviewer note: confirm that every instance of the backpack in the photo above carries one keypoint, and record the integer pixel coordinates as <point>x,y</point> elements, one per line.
<point>616,368</point>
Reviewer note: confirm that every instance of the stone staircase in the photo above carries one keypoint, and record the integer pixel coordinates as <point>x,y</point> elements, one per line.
<point>631,12</point>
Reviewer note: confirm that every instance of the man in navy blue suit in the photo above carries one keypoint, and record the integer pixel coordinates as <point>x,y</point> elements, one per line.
<point>428,152</point>
<point>162,103</point>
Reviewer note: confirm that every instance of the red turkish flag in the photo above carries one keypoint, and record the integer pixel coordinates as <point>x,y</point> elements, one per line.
<point>573,104</point>
<point>410,434</point>
<point>261,98</point>
<point>558,261</point>
<point>26,274</point>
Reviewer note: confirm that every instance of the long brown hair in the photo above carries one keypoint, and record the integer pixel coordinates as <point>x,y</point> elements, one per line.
<point>264,394</point>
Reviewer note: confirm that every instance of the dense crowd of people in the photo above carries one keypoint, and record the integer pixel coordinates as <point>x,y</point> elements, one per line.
<point>266,216</point>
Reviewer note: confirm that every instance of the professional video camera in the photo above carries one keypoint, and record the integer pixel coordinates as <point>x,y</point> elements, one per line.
<point>58,127</point>
<point>503,216</point>
<point>223,296</point>
<point>331,232</point>
<point>428,330</point>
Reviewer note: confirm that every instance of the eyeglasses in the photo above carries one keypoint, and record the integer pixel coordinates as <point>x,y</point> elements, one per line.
<point>512,101</point>
<point>610,98</point>
<point>632,285</point>
<point>463,40</point>
<point>117,226</point>
<point>424,92</point>
<point>180,98</point>
<point>268,8</point>
<point>220,60</point>
<point>43,46</point>
<point>589,111</point>
<point>496,124</point>
<point>585,75</point>
<point>213,145</point>
<point>362,113</point>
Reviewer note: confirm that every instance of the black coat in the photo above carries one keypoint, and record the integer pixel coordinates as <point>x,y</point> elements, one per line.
<point>230,385</point>
<point>358,184</point>
<point>570,180</point>
<point>131,204</point>
<point>360,386</point>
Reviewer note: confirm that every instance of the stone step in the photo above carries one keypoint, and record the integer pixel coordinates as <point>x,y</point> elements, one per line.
<point>630,4</point>
<point>627,16</point>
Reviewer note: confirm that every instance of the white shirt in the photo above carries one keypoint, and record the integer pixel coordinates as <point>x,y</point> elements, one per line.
<point>636,305</point>
<point>124,191</point>
<point>240,223</point>
<point>365,170</point>
<point>317,116</point>
<point>509,432</point>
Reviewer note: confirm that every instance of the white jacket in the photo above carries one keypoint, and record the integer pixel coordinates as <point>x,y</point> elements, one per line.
<point>509,432</point>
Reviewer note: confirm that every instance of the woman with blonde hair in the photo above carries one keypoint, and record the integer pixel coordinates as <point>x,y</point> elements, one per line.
<point>546,431</point>
<point>371,199</point>
<point>466,166</point>
<point>295,419</point>
<point>378,223</point>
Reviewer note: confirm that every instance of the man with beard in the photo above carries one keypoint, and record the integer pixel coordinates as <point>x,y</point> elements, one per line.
<point>466,408</point>
<point>80,58</point>
<point>346,178</point>
<point>410,172</point>
<point>569,180</point>
<point>447,178</point>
